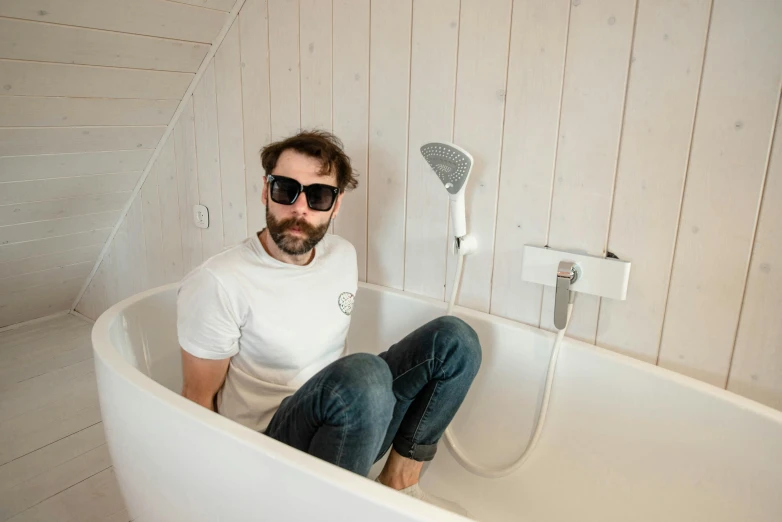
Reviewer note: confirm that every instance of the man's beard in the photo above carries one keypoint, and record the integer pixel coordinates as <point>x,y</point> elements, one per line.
<point>294,245</point>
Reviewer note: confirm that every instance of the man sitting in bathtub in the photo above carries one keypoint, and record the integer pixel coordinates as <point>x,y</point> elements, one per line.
<point>263,325</point>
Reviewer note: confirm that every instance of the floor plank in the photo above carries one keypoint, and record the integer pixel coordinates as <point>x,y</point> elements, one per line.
<point>38,489</point>
<point>92,500</point>
<point>50,456</point>
<point>54,461</point>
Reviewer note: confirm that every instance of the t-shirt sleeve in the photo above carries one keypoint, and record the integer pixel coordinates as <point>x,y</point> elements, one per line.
<point>207,325</point>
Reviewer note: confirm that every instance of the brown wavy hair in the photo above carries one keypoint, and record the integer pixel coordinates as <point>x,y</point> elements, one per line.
<point>318,144</point>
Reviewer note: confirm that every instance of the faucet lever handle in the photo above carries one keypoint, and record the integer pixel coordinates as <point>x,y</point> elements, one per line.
<point>567,274</point>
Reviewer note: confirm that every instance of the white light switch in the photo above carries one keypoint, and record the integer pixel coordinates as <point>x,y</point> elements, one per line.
<point>201,216</point>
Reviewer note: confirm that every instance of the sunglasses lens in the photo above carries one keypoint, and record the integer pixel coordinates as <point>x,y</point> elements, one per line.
<point>320,197</point>
<point>284,191</point>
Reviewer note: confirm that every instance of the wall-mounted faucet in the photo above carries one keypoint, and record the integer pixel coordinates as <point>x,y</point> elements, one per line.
<point>567,274</point>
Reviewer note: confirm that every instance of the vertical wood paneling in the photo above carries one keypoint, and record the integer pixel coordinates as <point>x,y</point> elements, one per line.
<point>757,361</point>
<point>153,234</point>
<point>661,97</point>
<point>168,196</point>
<point>432,96</point>
<point>138,247</point>
<point>208,147</point>
<point>284,67</point>
<point>183,136</point>
<point>598,55</point>
<point>535,68</point>
<point>538,98</point>
<point>351,114</point>
<point>315,56</point>
<point>739,94</point>
<point>86,306</point>
<point>389,82</point>
<point>124,259</point>
<point>484,36</point>
<point>254,35</point>
<point>229,111</point>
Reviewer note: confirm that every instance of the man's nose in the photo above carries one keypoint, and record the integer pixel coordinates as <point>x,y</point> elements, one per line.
<point>300,205</point>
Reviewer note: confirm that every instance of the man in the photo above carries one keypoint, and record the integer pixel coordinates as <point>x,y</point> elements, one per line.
<point>263,324</point>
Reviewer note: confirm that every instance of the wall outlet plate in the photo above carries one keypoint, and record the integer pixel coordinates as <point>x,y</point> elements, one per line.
<point>201,216</point>
<point>601,276</point>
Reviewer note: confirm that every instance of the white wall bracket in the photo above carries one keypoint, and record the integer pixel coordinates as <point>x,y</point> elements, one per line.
<point>605,277</point>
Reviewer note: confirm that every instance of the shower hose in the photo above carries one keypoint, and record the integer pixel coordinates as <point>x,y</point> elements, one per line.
<point>450,439</point>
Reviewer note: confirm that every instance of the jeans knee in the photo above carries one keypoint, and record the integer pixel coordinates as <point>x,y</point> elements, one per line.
<point>365,382</point>
<point>467,346</point>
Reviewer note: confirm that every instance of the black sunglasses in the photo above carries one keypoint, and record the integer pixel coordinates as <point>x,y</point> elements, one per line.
<point>285,191</point>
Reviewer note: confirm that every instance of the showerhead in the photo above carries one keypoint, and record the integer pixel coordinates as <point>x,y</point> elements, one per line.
<point>452,165</point>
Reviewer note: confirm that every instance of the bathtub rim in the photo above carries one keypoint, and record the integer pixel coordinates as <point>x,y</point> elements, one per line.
<point>103,349</point>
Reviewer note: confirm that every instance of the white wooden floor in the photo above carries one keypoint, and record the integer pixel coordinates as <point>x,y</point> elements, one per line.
<point>54,463</point>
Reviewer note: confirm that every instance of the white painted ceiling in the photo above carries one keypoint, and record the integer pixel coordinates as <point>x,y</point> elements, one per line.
<point>87,88</point>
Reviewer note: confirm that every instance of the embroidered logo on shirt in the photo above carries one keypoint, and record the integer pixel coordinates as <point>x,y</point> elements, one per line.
<point>346,302</point>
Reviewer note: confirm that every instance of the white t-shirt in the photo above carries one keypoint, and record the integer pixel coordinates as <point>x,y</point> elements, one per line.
<point>279,323</point>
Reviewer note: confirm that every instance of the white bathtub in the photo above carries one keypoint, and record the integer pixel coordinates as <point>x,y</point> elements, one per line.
<point>624,440</point>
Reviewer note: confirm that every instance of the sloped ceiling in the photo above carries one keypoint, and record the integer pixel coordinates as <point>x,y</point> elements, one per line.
<point>87,88</point>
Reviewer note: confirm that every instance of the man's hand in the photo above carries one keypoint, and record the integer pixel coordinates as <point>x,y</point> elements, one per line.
<point>203,378</point>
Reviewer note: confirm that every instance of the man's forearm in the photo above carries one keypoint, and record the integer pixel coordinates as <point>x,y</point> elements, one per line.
<point>205,400</point>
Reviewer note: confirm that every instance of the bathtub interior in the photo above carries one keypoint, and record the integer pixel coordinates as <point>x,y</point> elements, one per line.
<point>145,336</point>
<point>623,439</point>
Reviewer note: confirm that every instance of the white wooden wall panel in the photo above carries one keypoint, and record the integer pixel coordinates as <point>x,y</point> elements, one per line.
<point>57,227</point>
<point>44,278</point>
<point>94,299</point>
<point>661,97</point>
<point>757,360</point>
<point>41,42</point>
<point>484,36</point>
<point>389,83</point>
<point>738,98</point>
<point>559,121</point>
<point>120,248</point>
<point>187,181</point>
<point>599,39</point>
<point>45,189</point>
<point>208,147</point>
<point>315,55</point>
<point>284,67</point>
<point>48,140</point>
<point>147,17</point>
<point>535,68</point>
<point>153,231</point>
<point>137,248</point>
<point>230,127</point>
<point>254,33</point>
<point>49,261</point>
<point>60,208</point>
<point>55,79</point>
<point>32,111</point>
<point>39,247</point>
<point>222,5</point>
<point>25,168</point>
<point>37,302</point>
<point>168,195</point>
<point>351,116</point>
<point>435,36</point>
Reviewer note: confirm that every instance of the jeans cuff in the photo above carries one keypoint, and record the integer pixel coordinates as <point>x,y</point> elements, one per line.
<point>417,452</point>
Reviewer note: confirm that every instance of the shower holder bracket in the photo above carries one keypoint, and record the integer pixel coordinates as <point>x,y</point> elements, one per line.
<point>465,245</point>
<point>601,276</point>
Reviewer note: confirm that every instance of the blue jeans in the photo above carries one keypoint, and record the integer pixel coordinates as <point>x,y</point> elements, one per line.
<point>353,410</point>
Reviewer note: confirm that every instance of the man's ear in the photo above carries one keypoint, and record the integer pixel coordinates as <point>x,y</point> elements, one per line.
<point>265,193</point>
<point>337,204</point>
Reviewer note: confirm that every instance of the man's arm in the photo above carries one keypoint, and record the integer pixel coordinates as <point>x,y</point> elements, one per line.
<point>203,378</point>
